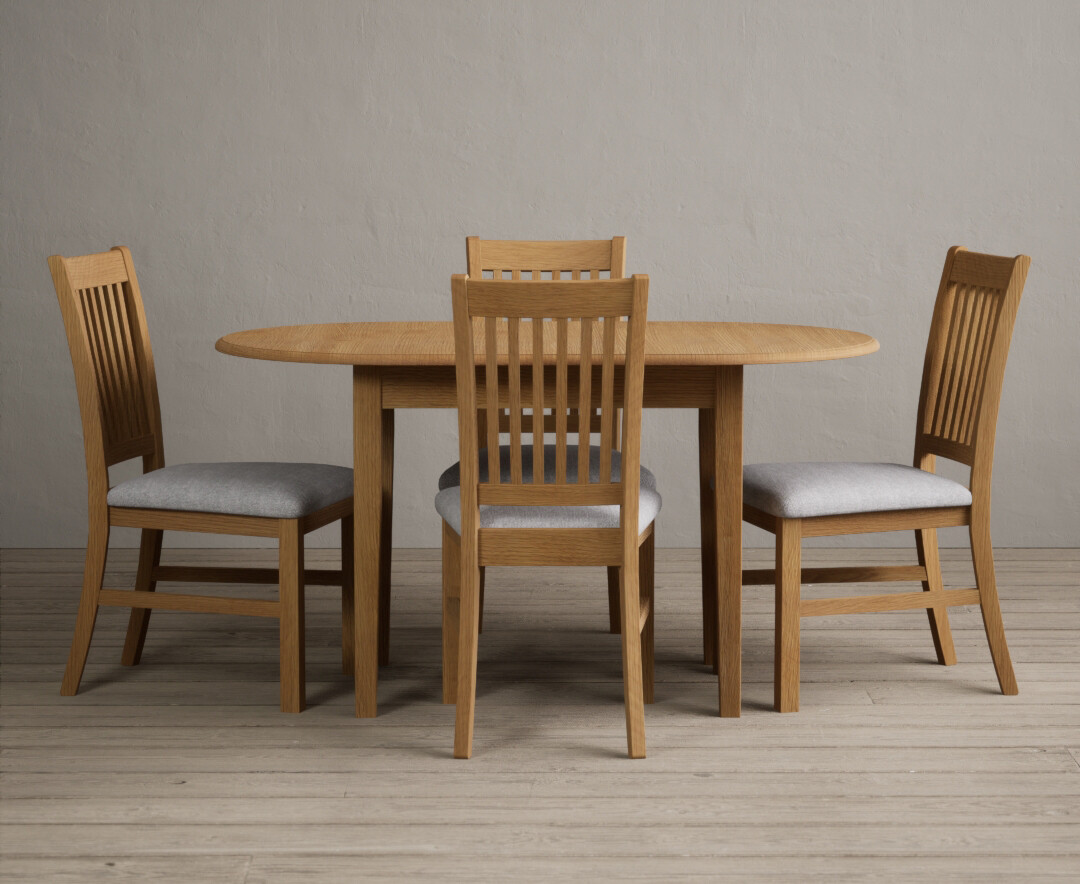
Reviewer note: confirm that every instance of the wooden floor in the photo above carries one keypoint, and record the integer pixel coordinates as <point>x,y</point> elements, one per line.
<point>182,769</point>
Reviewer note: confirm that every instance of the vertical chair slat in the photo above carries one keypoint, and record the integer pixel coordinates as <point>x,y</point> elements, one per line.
<point>584,400</point>
<point>981,298</point>
<point>85,297</point>
<point>118,350</point>
<point>538,398</point>
<point>96,335</point>
<point>979,369</point>
<point>514,377</point>
<point>560,400</point>
<point>491,386</point>
<point>607,399</point>
<point>963,359</point>
<point>132,362</point>
<point>947,366</point>
<point>957,359</point>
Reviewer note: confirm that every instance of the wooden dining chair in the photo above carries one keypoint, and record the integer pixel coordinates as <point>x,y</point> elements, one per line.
<point>121,418</point>
<point>957,419</point>
<point>536,260</point>
<point>533,516</point>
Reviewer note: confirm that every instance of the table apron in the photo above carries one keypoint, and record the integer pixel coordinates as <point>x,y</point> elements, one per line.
<point>666,386</point>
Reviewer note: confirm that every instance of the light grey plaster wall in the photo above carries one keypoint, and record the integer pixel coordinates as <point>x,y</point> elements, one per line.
<point>280,162</point>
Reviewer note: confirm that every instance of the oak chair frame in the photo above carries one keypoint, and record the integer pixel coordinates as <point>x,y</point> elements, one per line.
<point>972,326</point>
<point>531,259</point>
<point>113,362</point>
<point>488,304</point>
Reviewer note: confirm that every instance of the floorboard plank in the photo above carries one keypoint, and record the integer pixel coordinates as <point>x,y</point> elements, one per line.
<point>182,769</point>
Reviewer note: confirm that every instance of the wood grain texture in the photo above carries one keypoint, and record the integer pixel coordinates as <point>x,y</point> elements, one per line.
<point>413,366</point>
<point>183,768</point>
<point>496,305</point>
<point>367,543</point>
<point>727,505</point>
<point>963,369</point>
<point>432,344</point>
<point>581,258</point>
<point>102,308</point>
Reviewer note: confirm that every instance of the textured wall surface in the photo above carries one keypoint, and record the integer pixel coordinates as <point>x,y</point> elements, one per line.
<point>272,162</point>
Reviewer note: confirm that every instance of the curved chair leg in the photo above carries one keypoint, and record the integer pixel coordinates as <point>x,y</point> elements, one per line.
<point>788,591</point>
<point>149,559</point>
<point>451,611</point>
<point>927,547</point>
<point>291,626</point>
<point>982,555</point>
<point>630,609</point>
<point>97,548</point>
<point>613,599</point>
<point>348,598</point>
<point>646,574</point>
<point>468,640</point>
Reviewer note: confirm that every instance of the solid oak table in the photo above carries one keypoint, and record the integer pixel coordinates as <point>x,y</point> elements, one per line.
<point>687,365</point>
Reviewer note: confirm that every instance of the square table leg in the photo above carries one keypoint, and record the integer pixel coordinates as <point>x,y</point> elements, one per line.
<point>727,500</point>
<point>386,540</point>
<point>368,466</point>
<point>706,496</point>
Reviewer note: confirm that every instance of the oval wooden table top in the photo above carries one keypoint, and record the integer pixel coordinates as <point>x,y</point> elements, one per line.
<point>432,343</point>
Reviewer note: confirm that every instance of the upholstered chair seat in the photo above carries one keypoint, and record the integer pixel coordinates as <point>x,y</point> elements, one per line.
<point>267,490</point>
<point>806,490</point>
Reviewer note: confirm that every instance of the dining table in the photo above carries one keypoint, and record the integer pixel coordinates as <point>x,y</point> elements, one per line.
<point>688,364</point>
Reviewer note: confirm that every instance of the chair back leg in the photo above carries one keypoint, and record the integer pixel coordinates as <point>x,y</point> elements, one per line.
<point>927,547</point>
<point>982,555</point>
<point>139,619</point>
<point>291,612</point>
<point>97,549</point>
<point>788,591</point>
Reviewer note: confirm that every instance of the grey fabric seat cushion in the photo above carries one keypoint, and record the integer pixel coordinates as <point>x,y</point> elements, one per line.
<point>448,505</point>
<point>452,475</point>
<point>270,490</point>
<point>805,490</point>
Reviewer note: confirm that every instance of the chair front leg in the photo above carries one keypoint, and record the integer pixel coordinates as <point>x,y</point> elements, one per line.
<point>788,591</point>
<point>291,612</point>
<point>982,555</point>
<point>139,620</point>
<point>451,611</point>
<point>97,549</point>
<point>927,547</point>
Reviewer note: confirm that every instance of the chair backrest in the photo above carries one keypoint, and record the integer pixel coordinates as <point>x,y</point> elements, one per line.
<point>965,359</point>
<point>525,259</point>
<point>551,259</point>
<point>513,330</point>
<point>114,365</point>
